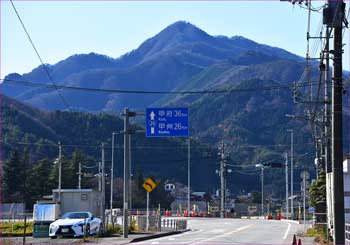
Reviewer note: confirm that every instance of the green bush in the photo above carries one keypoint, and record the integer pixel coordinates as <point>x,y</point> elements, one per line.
<point>113,230</point>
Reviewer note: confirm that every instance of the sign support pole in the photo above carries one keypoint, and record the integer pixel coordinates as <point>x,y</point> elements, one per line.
<point>147,212</point>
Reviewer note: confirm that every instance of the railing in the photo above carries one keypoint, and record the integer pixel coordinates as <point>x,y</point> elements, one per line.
<point>347,233</point>
<point>173,224</point>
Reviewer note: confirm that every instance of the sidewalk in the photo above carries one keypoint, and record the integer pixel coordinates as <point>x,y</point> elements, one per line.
<point>133,237</point>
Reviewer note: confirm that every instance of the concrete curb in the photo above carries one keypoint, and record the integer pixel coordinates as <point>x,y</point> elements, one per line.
<point>291,221</point>
<point>140,239</point>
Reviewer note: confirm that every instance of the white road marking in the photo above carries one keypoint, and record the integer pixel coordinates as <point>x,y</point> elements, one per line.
<point>154,242</point>
<point>287,231</point>
<point>171,239</point>
<point>224,235</point>
<point>216,231</point>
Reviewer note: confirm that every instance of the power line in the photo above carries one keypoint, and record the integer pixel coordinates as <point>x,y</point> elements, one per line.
<point>224,91</point>
<point>40,59</point>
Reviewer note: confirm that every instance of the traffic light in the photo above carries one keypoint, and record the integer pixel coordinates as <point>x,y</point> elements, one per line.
<point>273,164</point>
<point>269,165</point>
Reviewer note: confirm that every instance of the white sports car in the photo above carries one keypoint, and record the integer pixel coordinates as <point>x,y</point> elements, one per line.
<point>73,224</point>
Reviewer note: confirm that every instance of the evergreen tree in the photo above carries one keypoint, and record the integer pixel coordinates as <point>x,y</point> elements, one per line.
<point>66,175</point>
<point>38,180</point>
<point>77,158</point>
<point>13,178</point>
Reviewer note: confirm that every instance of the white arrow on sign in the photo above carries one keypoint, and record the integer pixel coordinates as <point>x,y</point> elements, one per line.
<point>152,115</point>
<point>152,130</point>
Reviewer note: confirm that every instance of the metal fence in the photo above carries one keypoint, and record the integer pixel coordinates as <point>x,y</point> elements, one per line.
<point>347,233</point>
<point>173,224</point>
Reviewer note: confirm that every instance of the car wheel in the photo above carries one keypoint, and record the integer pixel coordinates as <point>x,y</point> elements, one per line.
<point>100,230</point>
<point>87,231</point>
<point>53,237</point>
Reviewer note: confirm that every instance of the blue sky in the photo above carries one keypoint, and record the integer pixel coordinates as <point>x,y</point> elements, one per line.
<point>61,29</point>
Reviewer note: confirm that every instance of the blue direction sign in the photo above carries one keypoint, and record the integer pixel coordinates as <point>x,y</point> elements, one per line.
<point>165,122</point>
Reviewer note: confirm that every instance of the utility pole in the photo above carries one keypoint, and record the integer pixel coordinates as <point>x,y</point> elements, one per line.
<point>337,8</point>
<point>99,177</point>
<point>130,174</point>
<point>222,179</point>
<point>304,195</point>
<point>291,172</point>
<point>287,192</point>
<point>112,174</point>
<point>126,172</point>
<point>327,145</point>
<point>59,171</point>
<point>262,191</point>
<point>189,176</point>
<point>79,176</point>
<point>103,184</point>
<point>127,152</point>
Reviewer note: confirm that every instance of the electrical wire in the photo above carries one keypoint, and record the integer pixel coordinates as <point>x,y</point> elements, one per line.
<point>40,59</point>
<point>85,89</point>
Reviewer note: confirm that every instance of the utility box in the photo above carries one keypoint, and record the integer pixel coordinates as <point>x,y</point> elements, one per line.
<point>43,215</point>
<point>76,200</point>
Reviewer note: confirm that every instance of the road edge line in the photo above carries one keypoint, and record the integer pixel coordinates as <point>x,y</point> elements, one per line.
<point>140,239</point>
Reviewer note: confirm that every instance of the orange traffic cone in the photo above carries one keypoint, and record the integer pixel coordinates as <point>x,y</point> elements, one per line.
<point>299,241</point>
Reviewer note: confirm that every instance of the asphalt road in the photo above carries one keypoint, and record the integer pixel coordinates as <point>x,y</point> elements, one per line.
<point>233,231</point>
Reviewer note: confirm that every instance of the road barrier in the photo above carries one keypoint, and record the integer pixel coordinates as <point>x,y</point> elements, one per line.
<point>173,224</point>
<point>347,233</point>
<point>294,242</point>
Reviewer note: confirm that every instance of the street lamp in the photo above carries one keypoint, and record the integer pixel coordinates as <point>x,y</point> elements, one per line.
<point>262,165</point>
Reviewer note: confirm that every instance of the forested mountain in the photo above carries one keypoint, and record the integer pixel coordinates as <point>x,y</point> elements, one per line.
<point>25,129</point>
<point>164,62</point>
<point>245,94</point>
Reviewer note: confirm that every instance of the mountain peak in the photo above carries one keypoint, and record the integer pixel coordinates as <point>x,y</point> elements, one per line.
<point>184,28</point>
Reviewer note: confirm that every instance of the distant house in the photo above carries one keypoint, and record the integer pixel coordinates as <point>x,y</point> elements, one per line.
<point>169,187</point>
<point>198,194</point>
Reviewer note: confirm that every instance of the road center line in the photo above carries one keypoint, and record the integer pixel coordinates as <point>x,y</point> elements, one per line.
<point>287,231</point>
<point>224,235</point>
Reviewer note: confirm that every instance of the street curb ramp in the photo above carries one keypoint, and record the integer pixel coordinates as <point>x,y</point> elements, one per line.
<point>140,239</point>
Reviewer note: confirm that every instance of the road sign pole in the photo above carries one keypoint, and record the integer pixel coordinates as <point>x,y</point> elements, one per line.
<point>286,172</point>
<point>189,176</point>
<point>59,171</point>
<point>147,212</point>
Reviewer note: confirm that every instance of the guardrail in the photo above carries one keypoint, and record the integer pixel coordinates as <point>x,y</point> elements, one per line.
<point>347,233</point>
<point>174,224</point>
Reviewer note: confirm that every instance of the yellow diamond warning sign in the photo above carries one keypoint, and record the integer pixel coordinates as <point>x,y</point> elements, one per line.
<point>149,185</point>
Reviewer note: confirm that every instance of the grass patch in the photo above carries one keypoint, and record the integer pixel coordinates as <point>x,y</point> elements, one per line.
<point>319,233</point>
<point>113,230</point>
<point>15,228</point>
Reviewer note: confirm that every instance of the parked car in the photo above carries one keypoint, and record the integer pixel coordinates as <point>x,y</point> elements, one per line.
<point>75,224</point>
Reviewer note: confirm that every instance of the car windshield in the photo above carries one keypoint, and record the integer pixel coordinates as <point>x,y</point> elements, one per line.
<point>75,215</point>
